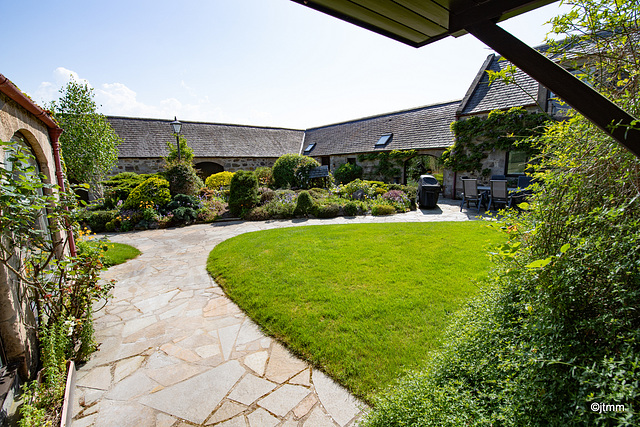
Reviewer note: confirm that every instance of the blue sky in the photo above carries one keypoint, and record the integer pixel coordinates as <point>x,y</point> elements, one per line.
<point>257,62</point>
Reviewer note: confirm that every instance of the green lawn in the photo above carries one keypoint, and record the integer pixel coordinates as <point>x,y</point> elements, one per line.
<point>117,253</point>
<point>363,301</point>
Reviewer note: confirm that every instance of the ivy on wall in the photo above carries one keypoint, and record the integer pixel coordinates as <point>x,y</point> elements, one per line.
<point>389,162</point>
<point>476,136</point>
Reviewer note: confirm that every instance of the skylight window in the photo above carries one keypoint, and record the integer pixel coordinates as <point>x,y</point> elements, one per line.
<point>384,140</point>
<point>309,148</point>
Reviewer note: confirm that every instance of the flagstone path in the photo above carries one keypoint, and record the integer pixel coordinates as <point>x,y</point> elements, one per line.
<point>176,352</point>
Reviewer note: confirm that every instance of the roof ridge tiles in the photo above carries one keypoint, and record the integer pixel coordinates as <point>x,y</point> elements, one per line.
<point>150,119</point>
<point>392,113</point>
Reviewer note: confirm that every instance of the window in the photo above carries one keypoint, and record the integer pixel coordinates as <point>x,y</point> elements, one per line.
<point>325,160</point>
<point>309,148</point>
<point>516,162</point>
<point>384,140</point>
<point>351,160</point>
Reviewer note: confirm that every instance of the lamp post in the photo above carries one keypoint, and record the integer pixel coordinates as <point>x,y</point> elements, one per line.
<point>176,125</point>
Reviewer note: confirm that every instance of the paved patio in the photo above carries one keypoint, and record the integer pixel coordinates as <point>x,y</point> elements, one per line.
<point>175,351</point>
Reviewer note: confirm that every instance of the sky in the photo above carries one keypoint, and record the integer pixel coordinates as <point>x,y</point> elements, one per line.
<point>253,62</point>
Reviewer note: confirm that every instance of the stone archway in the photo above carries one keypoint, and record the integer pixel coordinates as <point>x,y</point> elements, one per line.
<point>206,169</point>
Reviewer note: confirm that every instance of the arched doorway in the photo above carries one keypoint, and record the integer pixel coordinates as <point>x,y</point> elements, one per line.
<point>206,169</point>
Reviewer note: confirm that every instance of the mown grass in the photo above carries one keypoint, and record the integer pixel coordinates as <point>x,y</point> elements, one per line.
<point>118,253</point>
<point>364,302</point>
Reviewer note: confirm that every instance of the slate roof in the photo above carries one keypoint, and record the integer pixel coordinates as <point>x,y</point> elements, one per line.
<point>483,97</point>
<point>148,137</point>
<point>418,128</point>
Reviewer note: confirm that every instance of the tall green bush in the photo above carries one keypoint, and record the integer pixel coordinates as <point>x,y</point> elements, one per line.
<point>292,170</point>
<point>182,178</point>
<point>243,194</point>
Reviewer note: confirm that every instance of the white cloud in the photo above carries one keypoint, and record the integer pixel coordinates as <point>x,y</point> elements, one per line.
<point>117,99</point>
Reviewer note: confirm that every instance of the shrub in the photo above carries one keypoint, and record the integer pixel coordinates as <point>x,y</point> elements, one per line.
<point>347,172</point>
<point>96,220</point>
<point>350,208</point>
<point>382,209</point>
<point>211,209</point>
<point>282,205</point>
<point>182,178</point>
<point>266,195</point>
<point>304,204</point>
<point>259,213</point>
<point>120,186</point>
<point>184,209</point>
<point>326,211</point>
<point>153,190</point>
<point>292,170</point>
<point>265,176</point>
<point>220,179</point>
<point>243,194</point>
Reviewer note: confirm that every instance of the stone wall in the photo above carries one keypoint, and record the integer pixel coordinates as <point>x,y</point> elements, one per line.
<point>368,166</point>
<point>16,318</point>
<point>154,165</point>
<point>495,162</point>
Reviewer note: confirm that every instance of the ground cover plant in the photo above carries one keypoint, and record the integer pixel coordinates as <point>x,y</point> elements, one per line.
<point>365,301</point>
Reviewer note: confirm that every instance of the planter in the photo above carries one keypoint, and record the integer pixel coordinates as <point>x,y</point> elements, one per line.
<point>67,404</point>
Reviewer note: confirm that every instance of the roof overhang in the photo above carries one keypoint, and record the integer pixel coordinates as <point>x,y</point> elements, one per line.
<point>420,22</point>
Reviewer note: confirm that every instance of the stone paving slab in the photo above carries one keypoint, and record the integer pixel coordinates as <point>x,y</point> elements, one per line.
<point>175,351</point>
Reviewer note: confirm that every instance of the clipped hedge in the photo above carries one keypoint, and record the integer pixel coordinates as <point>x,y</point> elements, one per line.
<point>220,179</point>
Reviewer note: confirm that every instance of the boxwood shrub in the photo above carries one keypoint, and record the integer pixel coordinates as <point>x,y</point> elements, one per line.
<point>243,193</point>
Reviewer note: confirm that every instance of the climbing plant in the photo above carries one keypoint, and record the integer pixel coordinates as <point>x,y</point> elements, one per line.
<point>476,136</point>
<point>389,162</point>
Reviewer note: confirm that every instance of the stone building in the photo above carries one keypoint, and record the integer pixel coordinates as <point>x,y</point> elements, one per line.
<point>23,123</point>
<point>425,130</point>
<point>217,147</point>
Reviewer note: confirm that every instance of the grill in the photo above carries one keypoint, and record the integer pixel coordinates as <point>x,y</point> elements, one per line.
<point>428,191</point>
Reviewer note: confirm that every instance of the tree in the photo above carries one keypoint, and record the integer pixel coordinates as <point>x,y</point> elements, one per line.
<point>89,144</point>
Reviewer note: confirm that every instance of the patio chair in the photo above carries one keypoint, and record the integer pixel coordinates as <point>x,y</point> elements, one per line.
<point>499,193</point>
<point>470,193</point>
<point>523,191</point>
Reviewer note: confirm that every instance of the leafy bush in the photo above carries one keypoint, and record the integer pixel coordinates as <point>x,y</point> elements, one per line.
<point>292,170</point>
<point>266,195</point>
<point>186,152</point>
<point>382,209</point>
<point>304,204</point>
<point>220,179</point>
<point>370,188</point>
<point>184,209</point>
<point>265,176</point>
<point>96,220</point>
<point>259,213</point>
<point>183,178</point>
<point>555,337</point>
<point>326,211</point>
<point>243,193</point>
<point>347,172</point>
<point>120,186</point>
<point>282,205</point>
<point>153,190</point>
<point>350,208</point>
<point>398,199</point>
